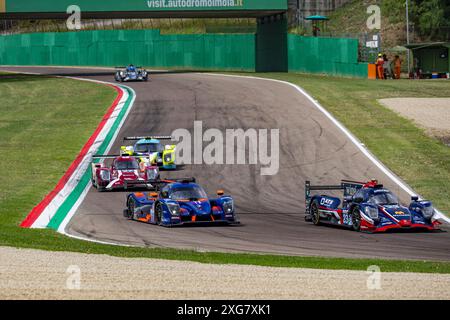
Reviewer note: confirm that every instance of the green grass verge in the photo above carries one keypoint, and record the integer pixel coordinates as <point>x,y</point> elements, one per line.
<point>422,161</point>
<point>50,240</point>
<point>44,122</point>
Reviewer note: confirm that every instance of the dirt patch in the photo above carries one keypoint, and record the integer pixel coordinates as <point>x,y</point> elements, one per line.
<point>33,274</point>
<point>432,114</point>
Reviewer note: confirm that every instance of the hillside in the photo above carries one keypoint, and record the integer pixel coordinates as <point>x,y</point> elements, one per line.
<point>351,20</point>
<point>429,20</point>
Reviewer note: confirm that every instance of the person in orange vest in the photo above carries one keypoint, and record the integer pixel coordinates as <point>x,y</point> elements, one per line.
<point>380,64</point>
<point>397,67</point>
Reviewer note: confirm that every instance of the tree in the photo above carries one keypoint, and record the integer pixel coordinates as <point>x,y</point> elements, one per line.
<point>430,16</point>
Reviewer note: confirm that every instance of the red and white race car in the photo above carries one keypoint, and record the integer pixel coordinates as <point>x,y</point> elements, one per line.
<point>124,173</point>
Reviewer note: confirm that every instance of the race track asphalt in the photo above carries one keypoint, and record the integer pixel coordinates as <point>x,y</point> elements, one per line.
<point>271,208</point>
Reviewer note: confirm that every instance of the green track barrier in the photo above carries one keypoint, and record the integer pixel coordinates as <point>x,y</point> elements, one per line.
<point>122,47</point>
<point>333,56</point>
<point>271,49</point>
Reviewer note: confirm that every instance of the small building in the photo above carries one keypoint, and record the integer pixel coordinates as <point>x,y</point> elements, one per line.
<point>431,58</point>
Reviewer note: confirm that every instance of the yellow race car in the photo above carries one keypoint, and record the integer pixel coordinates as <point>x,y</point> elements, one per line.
<point>151,151</point>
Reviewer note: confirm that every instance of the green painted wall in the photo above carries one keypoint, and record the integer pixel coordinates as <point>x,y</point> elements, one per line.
<point>271,49</point>
<point>140,47</point>
<point>333,56</point>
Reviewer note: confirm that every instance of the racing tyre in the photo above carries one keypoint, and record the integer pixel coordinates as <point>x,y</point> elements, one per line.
<point>356,219</point>
<point>159,212</point>
<point>131,206</point>
<point>315,215</point>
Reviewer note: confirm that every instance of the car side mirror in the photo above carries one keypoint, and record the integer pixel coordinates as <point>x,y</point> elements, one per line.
<point>220,193</point>
<point>165,194</point>
<point>154,194</point>
<point>414,198</point>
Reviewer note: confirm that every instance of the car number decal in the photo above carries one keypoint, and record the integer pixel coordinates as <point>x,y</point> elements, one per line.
<point>347,219</point>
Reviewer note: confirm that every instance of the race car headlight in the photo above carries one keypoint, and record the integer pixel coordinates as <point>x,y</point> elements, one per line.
<point>105,175</point>
<point>174,209</point>
<point>168,157</point>
<point>228,206</point>
<point>122,74</point>
<point>428,212</point>
<point>371,212</point>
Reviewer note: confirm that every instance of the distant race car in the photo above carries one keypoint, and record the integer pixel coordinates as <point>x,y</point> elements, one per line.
<point>124,173</point>
<point>150,150</point>
<point>130,73</point>
<point>180,202</point>
<point>367,207</point>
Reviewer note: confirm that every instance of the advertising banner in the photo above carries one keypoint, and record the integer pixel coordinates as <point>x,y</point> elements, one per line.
<point>52,6</point>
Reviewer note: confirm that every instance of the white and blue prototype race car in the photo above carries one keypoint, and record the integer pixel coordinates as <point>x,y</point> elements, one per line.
<point>130,73</point>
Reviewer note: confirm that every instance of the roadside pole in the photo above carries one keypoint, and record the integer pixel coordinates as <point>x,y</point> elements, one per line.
<point>407,37</point>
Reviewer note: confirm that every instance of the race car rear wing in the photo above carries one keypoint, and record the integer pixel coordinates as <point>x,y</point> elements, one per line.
<point>136,183</point>
<point>126,67</point>
<point>148,138</point>
<point>159,182</point>
<point>181,180</point>
<point>349,189</point>
<point>101,156</point>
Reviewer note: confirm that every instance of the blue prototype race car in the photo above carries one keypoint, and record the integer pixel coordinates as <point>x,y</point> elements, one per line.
<point>180,202</point>
<point>367,207</point>
<point>130,73</point>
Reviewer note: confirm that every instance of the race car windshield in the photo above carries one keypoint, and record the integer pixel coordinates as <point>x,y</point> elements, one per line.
<point>127,165</point>
<point>147,148</point>
<point>385,198</point>
<point>192,193</point>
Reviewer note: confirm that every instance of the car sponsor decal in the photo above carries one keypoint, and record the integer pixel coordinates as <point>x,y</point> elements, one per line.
<point>326,202</point>
<point>389,215</point>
